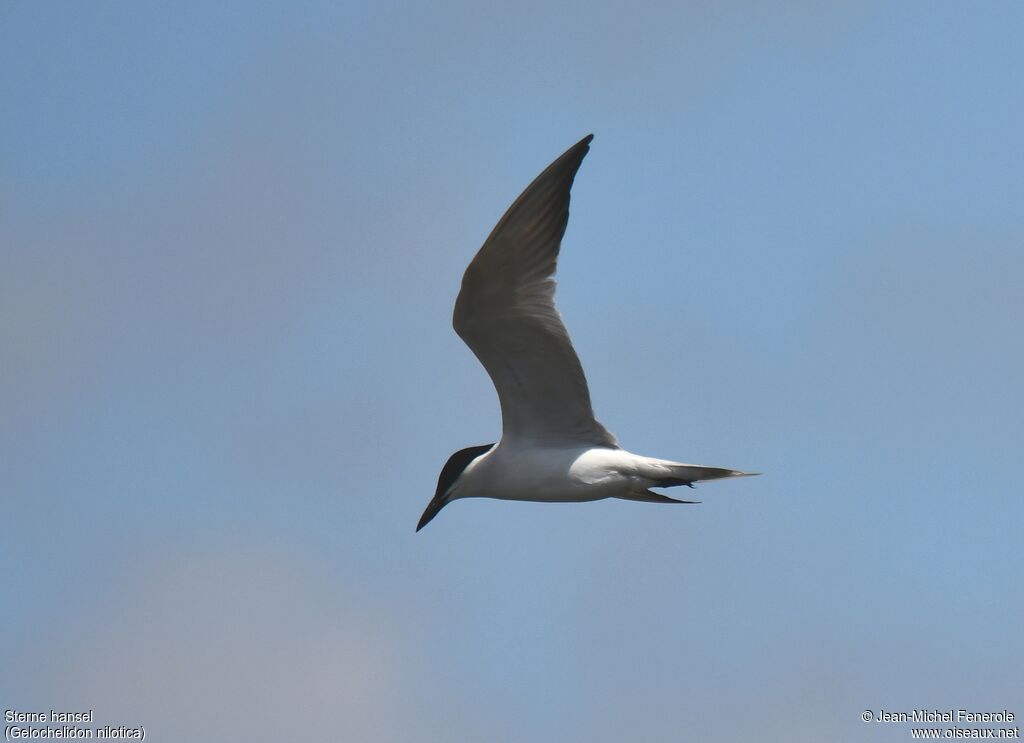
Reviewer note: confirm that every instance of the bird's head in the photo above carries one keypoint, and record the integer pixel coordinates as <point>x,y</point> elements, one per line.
<point>447,480</point>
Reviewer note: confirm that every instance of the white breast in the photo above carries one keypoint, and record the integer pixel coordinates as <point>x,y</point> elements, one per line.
<point>512,472</point>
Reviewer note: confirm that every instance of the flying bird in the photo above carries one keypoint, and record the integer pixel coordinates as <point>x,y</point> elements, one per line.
<point>552,449</point>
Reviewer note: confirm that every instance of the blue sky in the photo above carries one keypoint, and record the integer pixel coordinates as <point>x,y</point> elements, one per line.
<point>231,239</point>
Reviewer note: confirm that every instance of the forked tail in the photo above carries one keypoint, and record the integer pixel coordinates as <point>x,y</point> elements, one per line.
<point>664,474</point>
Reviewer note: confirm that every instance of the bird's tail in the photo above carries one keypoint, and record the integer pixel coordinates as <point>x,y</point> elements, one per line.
<point>664,474</point>
<point>687,474</point>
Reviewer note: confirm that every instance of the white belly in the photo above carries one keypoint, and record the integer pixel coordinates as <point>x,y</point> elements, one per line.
<point>509,472</point>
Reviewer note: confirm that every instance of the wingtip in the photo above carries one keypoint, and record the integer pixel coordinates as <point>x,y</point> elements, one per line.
<point>575,154</point>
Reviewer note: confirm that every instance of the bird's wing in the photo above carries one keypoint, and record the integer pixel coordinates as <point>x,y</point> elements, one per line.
<point>506,314</point>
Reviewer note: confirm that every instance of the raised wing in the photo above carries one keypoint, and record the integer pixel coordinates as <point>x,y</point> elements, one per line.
<point>506,314</point>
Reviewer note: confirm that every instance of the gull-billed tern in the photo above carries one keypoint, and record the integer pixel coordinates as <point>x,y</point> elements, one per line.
<point>552,449</point>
